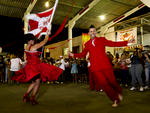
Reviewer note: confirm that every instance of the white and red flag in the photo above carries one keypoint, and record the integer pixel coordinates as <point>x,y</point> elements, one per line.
<point>40,23</point>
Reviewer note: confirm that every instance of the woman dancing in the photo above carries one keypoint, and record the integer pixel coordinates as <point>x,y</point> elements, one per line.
<point>34,70</point>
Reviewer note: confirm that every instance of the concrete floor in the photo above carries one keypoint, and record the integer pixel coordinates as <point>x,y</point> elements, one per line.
<point>70,98</point>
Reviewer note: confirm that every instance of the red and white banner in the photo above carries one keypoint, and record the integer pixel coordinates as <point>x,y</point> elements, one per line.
<point>39,23</point>
<point>128,34</point>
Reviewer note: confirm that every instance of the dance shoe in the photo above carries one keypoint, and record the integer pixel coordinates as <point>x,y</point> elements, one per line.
<point>26,98</point>
<point>33,101</point>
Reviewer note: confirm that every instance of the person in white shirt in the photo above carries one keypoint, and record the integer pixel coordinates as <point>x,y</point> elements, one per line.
<point>61,64</point>
<point>15,65</point>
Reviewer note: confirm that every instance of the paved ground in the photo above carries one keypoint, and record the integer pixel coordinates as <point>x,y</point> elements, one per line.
<point>70,98</point>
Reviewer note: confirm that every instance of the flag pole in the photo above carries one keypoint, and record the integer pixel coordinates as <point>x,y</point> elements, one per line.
<point>55,5</point>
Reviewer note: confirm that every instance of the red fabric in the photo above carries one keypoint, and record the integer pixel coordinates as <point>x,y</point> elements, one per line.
<point>107,81</point>
<point>39,23</point>
<point>93,82</point>
<point>98,57</point>
<point>59,29</point>
<point>33,24</point>
<point>44,30</point>
<point>45,13</point>
<point>34,67</point>
<point>101,72</point>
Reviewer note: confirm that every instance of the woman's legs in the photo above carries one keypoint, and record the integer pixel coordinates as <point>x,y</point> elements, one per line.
<point>30,88</point>
<point>26,97</point>
<point>35,91</point>
<point>74,77</point>
<point>36,87</point>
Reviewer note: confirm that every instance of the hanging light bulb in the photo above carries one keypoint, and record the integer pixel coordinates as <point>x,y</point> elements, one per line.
<point>102,17</point>
<point>47,4</point>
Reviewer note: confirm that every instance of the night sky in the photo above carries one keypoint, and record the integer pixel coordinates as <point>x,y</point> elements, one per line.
<point>11,34</point>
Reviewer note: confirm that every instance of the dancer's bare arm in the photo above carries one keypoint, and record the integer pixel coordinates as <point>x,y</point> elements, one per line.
<point>42,43</point>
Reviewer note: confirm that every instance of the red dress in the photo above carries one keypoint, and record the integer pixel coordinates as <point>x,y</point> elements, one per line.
<point>35,67</point>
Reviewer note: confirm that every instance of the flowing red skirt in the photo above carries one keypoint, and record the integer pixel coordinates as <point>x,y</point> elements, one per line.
<point>46,72</point>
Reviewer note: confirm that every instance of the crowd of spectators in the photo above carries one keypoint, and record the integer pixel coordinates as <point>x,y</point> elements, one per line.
<point>132,69</point>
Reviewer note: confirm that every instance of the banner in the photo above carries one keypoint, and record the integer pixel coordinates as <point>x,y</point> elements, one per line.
<point>85,38</point>
<point>128,34</point>
<point>40,23</point>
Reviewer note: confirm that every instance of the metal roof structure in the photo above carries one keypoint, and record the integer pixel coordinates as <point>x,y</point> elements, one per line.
<point>112,9</point>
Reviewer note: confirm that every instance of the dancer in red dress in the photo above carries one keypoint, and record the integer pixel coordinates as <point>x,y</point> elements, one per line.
<point>34,70</point>
<point>101,68</point>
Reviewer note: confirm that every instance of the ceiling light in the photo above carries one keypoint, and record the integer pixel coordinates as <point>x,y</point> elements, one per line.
<point>46,4</point>
<point>102,17</point>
